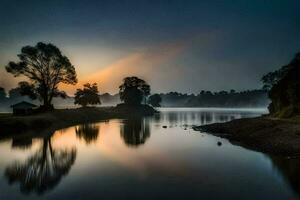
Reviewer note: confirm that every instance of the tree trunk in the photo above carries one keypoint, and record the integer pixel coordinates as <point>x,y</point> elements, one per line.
<point>47,106</point>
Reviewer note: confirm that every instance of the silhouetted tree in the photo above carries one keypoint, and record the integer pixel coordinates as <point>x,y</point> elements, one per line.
<point>14,93</point>
<point>154,100</point>
<point>272,78</point>
<point>285,89</point>
<point>133,90</point>
<point>88,132</point>
<point>45,67</point>
<point>27,89</point>
<point>88,95</point>
<point>43,170</point>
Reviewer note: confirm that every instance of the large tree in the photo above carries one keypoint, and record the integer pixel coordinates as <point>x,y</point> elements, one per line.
<point>133,90</point>
<point>89,95</point>
<point>45,67</point>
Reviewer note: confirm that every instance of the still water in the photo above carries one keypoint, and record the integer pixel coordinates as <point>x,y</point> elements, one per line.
<point>159,157</point>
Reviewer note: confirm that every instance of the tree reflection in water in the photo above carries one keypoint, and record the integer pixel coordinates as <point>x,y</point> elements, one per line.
<point>87,132</point>
<point>290,169</point>
<point>21,143</point>
<point>135,131</point>
<point>43,170</point>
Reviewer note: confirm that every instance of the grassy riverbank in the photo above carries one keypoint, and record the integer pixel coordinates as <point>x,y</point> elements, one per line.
<point>265,134</point>
<point>62,118</point>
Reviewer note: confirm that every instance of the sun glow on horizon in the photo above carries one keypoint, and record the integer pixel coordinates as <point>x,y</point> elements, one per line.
<point>144,64</point>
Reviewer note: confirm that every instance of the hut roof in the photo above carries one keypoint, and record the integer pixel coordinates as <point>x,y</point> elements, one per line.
<point>23,105</point>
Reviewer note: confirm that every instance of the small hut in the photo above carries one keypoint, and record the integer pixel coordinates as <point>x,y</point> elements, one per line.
<point>23,108</point>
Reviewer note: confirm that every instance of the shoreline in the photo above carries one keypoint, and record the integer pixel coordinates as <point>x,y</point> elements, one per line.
<point>263,134</point>
<point>62,118</point>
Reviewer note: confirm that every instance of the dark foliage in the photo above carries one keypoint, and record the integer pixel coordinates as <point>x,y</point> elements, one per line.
<point>133,90</point>
<point>88,95</point>
<point>285,91</point>
<point>154,100</point>
<point>45,67</point>
<point>272,78</point>
<point>27,89</point>
<point>15,93</point>
<point>251,98</point>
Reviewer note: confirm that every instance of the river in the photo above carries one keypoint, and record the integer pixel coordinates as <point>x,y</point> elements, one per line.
<point>159,157</point>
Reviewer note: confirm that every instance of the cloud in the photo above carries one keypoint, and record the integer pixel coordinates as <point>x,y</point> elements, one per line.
<point>144,64</point>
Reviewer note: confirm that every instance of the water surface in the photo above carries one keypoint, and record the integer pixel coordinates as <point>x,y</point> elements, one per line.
<point>158,157</point>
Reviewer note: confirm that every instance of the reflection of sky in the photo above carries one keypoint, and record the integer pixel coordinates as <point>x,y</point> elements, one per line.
<point>199,116</point>
<point>173,161</point>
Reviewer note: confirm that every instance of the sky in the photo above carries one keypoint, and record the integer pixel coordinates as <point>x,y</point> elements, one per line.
<point>184,46</point>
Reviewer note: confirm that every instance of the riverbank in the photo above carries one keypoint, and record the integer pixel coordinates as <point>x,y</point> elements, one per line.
<point>265,134</point>
<point>61,118</point>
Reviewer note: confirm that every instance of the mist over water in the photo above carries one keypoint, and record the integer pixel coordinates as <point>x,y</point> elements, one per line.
<point>248,99</point>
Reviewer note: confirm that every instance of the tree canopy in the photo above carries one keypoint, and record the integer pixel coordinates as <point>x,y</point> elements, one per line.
<point>45,67</point>
<point>89,95</point>
<point>14,93</point>
<point>272,78</point>
<point>133,90</point>
<point>285,89</point>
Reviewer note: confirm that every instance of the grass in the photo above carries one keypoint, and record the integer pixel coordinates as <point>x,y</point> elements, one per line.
<point>56,119</point>
<point>5,115</point>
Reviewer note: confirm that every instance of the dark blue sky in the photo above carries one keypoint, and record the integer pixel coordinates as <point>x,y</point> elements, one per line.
<point>175,45</point>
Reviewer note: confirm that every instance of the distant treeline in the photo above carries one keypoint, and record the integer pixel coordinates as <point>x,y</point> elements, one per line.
<point>249,98</point>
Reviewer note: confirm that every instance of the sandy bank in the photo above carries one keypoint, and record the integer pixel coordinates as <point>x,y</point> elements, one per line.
<point>265,134</point>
